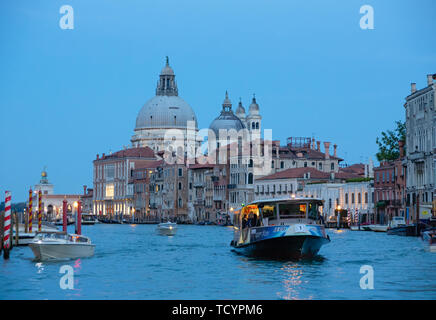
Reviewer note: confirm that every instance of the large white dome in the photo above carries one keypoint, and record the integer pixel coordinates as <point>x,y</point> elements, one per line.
<point>165,112</point>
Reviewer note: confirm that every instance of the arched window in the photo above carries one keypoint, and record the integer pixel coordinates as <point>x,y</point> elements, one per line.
<point>332,166</point>
<point>250,178</point>
<point>257,125</point>
<point>250,163</point>
<point>272,164</point>
<point>252,125</point>
<point>346,198</point>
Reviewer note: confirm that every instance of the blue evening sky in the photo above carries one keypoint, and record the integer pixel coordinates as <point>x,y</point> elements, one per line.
<point>66,95</point>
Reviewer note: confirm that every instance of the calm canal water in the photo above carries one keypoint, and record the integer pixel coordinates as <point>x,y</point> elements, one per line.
<point>133,262</point>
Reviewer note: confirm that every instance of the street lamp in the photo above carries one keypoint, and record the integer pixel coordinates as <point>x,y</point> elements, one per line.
<point>338,208</point>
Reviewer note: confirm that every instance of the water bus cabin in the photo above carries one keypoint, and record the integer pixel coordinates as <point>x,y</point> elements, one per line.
<point>280,228</point>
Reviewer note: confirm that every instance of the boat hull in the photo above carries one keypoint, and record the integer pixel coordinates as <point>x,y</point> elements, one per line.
<point>284,247</point>
<point>378,227</point>
<point>408,231</point>
<point>44,252</point>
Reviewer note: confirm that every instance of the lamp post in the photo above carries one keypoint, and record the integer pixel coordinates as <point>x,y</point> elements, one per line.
<point>338,208</point>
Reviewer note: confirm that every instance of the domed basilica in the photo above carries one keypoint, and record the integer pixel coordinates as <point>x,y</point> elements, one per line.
<point>164,112</point>
<point>167,111</point>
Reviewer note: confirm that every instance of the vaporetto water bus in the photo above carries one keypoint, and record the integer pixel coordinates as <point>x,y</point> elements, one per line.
<point>280,228</point>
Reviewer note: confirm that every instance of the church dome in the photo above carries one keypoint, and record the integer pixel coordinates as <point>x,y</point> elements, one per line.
<point>227,119</point>
<point>166,109</point>
<point>165,112</point>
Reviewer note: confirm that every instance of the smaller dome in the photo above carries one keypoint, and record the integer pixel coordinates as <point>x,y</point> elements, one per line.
<point>227,119</point>
<point>254,107</point>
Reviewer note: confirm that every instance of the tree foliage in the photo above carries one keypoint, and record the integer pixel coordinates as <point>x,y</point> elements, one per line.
<point>388,142</point>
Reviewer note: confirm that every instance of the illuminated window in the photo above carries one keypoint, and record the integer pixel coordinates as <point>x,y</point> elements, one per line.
<point>109,191</point>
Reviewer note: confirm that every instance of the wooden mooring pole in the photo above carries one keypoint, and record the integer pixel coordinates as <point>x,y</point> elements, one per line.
<point>16,229</point>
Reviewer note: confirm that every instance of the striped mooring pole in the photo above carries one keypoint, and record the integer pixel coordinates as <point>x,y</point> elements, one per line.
<point>39,210</point>
<point>7,225</point>
<point>30,213</point>
<point>64,214</point>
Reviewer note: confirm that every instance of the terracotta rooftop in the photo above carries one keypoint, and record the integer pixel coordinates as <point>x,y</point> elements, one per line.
<point>149,164</point>
<point>143,152</point>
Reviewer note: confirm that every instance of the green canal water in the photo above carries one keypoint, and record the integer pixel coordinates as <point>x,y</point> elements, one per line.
<point>134,262</point>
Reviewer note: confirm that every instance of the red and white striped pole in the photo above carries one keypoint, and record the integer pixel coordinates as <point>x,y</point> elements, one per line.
<point>7,224</point>
<point>39,210</point>
<point>64,215</point>
<point>30,210</point>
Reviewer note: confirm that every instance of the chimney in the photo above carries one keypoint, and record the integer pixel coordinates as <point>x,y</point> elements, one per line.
<point>98,157</point>
<point>102,156</point>
<point>413,87</point>
<point>401,147</point>
<point>430,79</point>
<point>335,146</point>
<point>313,143</point>
<point>84,190</point>
<point>326,150</point>
<point>318,146</point>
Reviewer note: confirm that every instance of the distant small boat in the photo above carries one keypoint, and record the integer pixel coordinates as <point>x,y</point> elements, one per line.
<point>61,246</point>
<point>167,228</point>
<point>88,219</point>
<point>60,222</point>
<point>429,237</point>
<point>356,228</point>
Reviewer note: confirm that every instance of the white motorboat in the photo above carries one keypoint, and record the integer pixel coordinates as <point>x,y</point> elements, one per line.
<point>355,228</point>
<point>378,227</point>
<point>167,228</point>
<point>61,246</point>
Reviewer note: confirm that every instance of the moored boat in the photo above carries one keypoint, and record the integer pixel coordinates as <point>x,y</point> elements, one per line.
<point>280,228</point>
<point>60,246</point>
<point>378,227</point>
<point>167,228</point>
<point>88,219</point>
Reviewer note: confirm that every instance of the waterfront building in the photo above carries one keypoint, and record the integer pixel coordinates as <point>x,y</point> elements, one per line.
<point>390,188</point>
<point>142,190</point>
<point>351,195</point>
<point>165,114</point>
<point>52,203</point>
<point>268,157</point>
<point>87,200</point>
<point>208,193</point>
<point>169,192</point>
<point>44,185</point>
<point>113,188</point>
<point>420,112</point>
